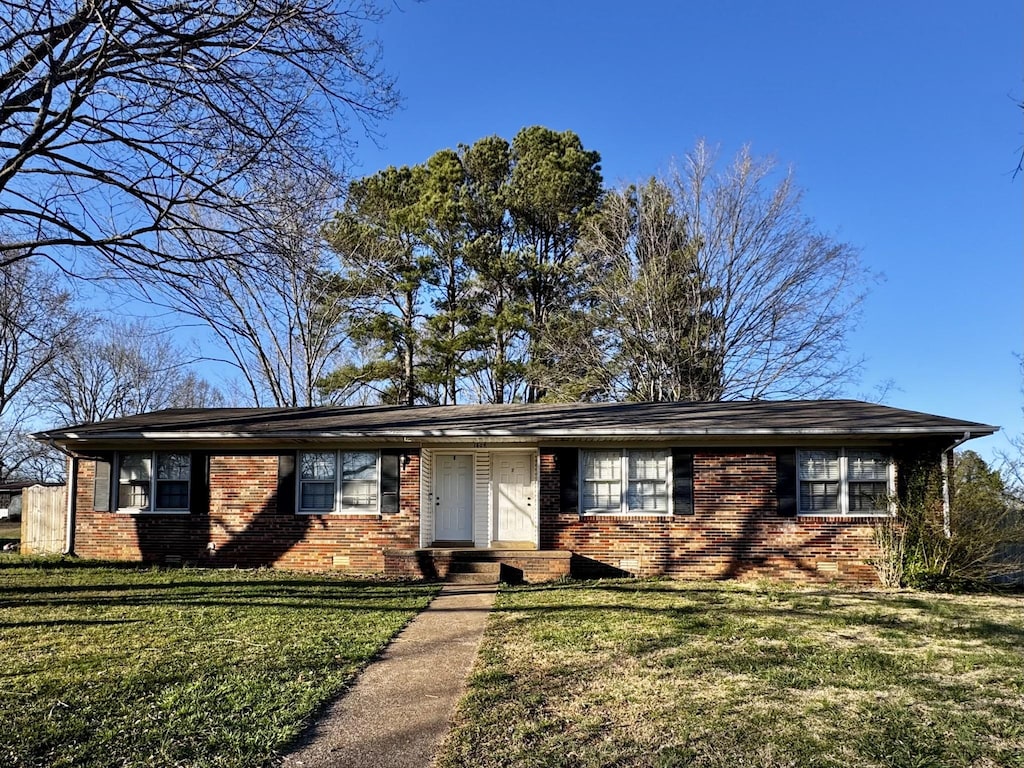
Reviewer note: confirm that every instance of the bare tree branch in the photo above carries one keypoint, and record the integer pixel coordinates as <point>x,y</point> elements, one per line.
<point>713,285</point>
<point>127,126</point>
<point>278,314</point>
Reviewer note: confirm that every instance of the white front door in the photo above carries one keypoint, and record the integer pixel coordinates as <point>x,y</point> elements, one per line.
<point>515,497</point>
<point>453,497</point>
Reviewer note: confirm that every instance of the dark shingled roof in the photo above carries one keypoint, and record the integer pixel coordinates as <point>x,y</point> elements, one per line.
<point>550,421</point>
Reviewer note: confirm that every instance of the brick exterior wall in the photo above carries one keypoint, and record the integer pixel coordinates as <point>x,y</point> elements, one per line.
<point>735,531</point>
<point>244,527</point>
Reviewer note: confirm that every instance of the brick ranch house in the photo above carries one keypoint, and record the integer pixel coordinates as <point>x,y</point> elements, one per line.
<point>721,490</point>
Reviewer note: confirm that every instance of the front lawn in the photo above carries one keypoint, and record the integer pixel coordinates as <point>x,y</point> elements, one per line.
<point>119,666</point>
<point>681,674</point>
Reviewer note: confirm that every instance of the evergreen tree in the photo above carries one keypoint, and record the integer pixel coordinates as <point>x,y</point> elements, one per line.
<point>378,237</point>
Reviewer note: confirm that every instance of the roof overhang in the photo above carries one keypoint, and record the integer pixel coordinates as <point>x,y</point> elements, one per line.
<point>731,423</point>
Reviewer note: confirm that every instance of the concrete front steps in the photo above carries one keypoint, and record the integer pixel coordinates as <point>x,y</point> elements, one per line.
<point>511,565</point>
<point>473,572</point>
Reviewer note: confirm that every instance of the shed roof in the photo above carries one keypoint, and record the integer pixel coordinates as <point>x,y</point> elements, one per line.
<point>547,421</point>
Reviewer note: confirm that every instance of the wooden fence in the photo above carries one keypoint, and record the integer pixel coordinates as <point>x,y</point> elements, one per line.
<point>43,520</point>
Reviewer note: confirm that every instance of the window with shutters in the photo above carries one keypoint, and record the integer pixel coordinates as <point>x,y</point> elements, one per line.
<point>844,482</point>
<point>156,481</point>
<point>339,482</point>
<point>625,481</point>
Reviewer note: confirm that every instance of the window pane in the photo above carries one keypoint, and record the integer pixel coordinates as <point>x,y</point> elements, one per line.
<point>867,465</point>
<point>135,466</point>
<point>133,494</point>
<point>359,494</point>
<point>133,488</point>
<point>819,465</point>
<point>601,497</point>
<point>648,486</point>
<point>317,496</point>
<point>171,494</point>
<point>819,497</point>
<point>868,497</point>
<point>602,465</point>
<point>359,466</point>
<point>602,488</point>
<point>172,466</point>
<point>317,466</point>
<point>359,480</point>
<point>647,465</point>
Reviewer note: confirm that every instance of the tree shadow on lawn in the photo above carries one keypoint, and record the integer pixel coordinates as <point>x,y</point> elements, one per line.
<point>65,623</point>
<point>65,563</point>
<point>280,593</point>
<point>774,652</point>
<point>839,611</point>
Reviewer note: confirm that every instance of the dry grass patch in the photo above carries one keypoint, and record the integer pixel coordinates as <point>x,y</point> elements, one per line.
<point>633,673</point>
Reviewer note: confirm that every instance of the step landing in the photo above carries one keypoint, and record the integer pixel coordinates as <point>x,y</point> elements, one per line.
<point>478,565</point>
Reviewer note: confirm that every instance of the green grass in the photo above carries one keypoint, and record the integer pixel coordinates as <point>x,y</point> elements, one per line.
<point>116,666</point>
<point>10,530</point>
<point>665,674</point>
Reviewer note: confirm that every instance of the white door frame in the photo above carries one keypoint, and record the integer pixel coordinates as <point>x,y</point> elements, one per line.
<point>438,453</point>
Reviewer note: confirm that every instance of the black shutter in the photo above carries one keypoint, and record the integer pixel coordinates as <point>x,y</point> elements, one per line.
<point>682,482</point>
<point>199,487</point>
<point>390,480</point>
<point>568,462</point>
<point>101,485</point>
<point>286,484</point>
<point>785,482</point>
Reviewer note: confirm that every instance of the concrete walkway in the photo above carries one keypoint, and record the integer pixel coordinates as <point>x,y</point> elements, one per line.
<point>401,705</point>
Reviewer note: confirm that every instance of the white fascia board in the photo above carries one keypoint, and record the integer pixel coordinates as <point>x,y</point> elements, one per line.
<point>588,434</point>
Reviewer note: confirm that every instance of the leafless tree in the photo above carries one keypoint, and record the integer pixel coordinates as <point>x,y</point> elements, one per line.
<point>651,313</point>
<point>712,285</point>
<point>119,370</point>
<point>23,459</point>
<point>127,127</point>
<point>38,323</point>
<point>784,294</point>
<point>728,290</point>
<point>278,315</point>
<point>1011,461</point>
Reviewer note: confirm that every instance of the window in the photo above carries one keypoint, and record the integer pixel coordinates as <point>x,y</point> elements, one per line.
<point>320,491</point>
<point>844,482</point>
<point>141,489</point>
<point>625,481</point>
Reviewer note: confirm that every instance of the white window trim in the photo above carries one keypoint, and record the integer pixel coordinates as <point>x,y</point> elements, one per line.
<point>844,485</point>
<point>338,508</point>
<point>624,510</point>
<point>152,509</point>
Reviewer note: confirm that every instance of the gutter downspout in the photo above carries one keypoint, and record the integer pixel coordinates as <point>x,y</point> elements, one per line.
<point>72,490</point>
<point>947,464</point>
<point>69,532</point>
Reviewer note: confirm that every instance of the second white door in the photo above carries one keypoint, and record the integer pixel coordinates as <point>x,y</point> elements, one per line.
<point>515,497</point>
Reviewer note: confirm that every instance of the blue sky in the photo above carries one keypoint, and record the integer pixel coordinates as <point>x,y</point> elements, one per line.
<point>899,119</point>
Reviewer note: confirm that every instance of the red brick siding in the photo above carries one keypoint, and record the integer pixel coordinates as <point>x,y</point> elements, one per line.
<point>244,527</point>
<point>735,531</point>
